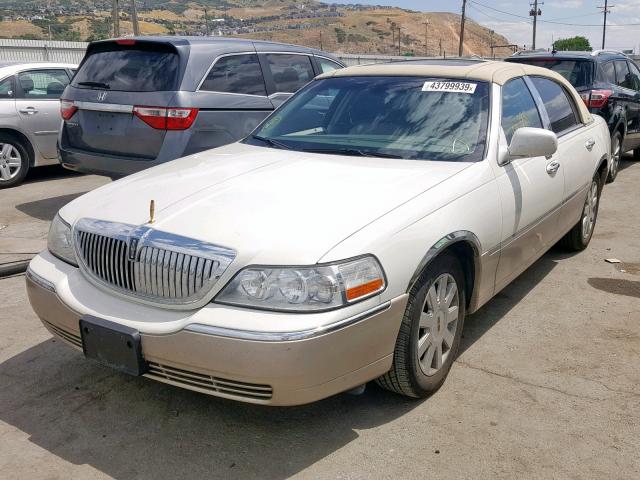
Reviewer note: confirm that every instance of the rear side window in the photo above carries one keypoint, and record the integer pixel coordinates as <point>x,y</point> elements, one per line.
<point>141,67</point>
<point>577,72</point>
<point>6,88</point>
<point>327,65</point>
<point>622,74</point>
<point>289,72</point>
<point>236,74</point>
<point>635,76</point>
<point>518,108</point>
<point>42,84</point>
<point>559,107</point>
<point>607,73</point>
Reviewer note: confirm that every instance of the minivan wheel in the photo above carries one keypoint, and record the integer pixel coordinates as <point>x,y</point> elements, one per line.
<point>14,161</point>
<point>579,236</point>
<point>616,153</point>
<point>430,331</point>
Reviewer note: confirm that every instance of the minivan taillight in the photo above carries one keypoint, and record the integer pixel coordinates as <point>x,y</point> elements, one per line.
<point>67,108</point>
<point>596,98</point>
<point>163,118</point>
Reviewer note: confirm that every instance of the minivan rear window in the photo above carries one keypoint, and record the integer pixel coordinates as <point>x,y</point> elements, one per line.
<point>577,72</point>
<point>137,67</point>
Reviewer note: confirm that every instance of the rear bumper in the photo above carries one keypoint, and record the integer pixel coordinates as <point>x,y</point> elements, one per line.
<point>102,164</point>
<point>271,372</point>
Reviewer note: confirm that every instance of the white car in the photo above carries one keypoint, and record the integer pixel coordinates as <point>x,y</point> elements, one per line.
<point>344,241</point>
<point>29,116</point>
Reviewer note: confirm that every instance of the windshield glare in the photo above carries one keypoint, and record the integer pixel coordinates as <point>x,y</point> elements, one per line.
<point>388,116</point>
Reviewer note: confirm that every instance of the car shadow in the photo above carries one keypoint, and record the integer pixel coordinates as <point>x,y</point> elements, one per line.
<point>132,427</point>
<point>47,208</point>
<point>49,172</point>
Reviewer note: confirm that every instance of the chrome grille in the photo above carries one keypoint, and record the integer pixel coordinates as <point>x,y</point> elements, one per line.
<point>200,381</point>
<point>151,265</point>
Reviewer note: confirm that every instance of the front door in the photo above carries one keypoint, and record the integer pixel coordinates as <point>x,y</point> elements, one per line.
<point>38,103</point>
<point>531,189</point>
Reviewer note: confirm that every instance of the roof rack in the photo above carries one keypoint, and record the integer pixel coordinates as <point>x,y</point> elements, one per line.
<point>600,52</point>
<point>521,52</point>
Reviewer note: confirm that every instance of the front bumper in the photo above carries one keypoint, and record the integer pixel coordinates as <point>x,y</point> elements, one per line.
<point>254,367</point>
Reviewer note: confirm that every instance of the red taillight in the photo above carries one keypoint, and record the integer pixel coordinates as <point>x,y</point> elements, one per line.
<point>596,98</point>
<point>67,109</point>
<point>126,41</point>
<point>166,118</point>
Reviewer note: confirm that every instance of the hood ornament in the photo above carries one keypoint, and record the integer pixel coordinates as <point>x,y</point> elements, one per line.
<point>152,211</point>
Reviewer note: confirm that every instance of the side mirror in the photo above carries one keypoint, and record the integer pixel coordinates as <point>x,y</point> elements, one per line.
<point>532,142</point>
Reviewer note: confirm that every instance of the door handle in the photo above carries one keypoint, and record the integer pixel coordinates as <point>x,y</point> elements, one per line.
<point>28,110</point>
<point>552,167</point>
<point>589,144</point>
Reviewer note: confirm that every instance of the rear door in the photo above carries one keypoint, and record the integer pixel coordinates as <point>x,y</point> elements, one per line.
<point>530,189</point>
<point>626,97</point>
<point>37,101</point>
<point>285,74</point>
<point>114,77</point>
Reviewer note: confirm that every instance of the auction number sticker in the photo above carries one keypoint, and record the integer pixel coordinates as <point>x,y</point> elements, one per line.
<point>453,87</point>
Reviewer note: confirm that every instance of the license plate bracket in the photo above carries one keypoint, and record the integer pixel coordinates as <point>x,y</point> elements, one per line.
<point>113,345</point>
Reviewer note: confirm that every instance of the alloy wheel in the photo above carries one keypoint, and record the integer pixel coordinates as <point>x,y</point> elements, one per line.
<point>590,211</point>
<point>438,324</point>
<point>10,161</point>
<point>615,156</point>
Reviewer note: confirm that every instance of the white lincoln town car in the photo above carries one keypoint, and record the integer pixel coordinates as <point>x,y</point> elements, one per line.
<point>343,241</point>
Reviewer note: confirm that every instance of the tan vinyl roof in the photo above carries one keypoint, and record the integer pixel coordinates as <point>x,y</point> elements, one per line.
<point>496,72</point>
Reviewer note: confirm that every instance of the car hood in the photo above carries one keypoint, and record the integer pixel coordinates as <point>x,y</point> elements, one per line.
<point>270,205</point>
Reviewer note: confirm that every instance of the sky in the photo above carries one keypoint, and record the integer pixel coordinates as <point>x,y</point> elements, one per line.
<point>511,19</point>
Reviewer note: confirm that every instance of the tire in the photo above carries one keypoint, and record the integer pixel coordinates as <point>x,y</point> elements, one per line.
<point>636,154</point>
<point>425,322</point>
<point>616,154</point>
<point>578,238</point>
<point>14,161</point>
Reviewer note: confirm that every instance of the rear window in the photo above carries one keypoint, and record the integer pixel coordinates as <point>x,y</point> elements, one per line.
<point>141,67</point>
<point>577,72</point>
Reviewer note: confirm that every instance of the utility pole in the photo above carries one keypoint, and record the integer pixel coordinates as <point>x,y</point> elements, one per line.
<point>440,47</point>
<point>464,10</point>
<point>605,11</point>
<point>321,40</point>
<point>393,36</point>
<point>535,12</point>
<point>399,36</point>
<point>206,22</point>
<point>115,14</point>
<point>426,38</point>
<point>134,18</point>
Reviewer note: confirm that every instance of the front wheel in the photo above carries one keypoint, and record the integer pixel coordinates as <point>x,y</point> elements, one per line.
<point>430,332</point>
<point>14,161</point>
<point>616,154</point>
<point>579,236</point>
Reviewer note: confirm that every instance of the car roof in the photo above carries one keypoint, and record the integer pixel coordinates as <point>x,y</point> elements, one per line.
<point>568,54</point>
<point>485,71</point>
<point>8,68</point>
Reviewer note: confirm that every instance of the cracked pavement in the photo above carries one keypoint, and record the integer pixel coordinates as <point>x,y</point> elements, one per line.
<point>547,384</point>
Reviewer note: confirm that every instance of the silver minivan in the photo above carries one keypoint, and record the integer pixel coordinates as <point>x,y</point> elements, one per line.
<point>29,116</point>
<point>137,102</point>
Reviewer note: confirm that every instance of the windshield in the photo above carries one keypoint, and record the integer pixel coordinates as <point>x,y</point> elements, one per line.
<point>141,67</point>
<point>403,117</point>
<point>577,72</point>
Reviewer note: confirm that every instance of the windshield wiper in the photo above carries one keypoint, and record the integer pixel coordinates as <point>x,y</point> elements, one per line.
<point>95,84</point>
<point>353,152</point>
<point>273,143</point>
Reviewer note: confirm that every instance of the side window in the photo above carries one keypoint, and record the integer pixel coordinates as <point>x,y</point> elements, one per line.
<point>560,108</point>
<point>236,74</point>
<point>42,84</point>
<point>7,88</point>
<point>289,72</point>
<point>622,74</point>
<point>327,65</point>
<point>634,76</point>
<point>607,73</point>
<point>518,108</point>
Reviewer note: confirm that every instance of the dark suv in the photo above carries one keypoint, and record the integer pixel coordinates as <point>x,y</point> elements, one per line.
<point>137,102</point>
<point>609,84</point>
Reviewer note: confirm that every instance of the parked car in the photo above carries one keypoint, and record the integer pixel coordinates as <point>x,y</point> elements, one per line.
<point>29,116</point>
<point>138,102</point>
<point>345,240</point>
<point>609,84</point>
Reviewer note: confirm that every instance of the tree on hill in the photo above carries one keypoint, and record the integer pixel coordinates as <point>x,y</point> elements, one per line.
<point>577,43</point>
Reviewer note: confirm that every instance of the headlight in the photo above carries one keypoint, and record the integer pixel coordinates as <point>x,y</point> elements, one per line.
<point>59,241</point>
<point>313,288</point>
